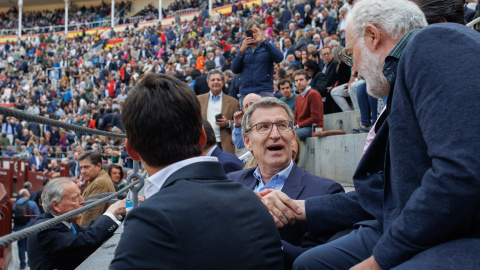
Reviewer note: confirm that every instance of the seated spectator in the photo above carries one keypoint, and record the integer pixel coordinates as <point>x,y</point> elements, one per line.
<point>230,162</point>
<point>308,106</point>
<point>115,172</point>
<point>237,118</point>
<point>340,93</point>
<point>97,181</point>
<point>8,151</point>
<point>66,245</point>
<point>318,79</point>
<point>288,96</point>
<point>268,133</point>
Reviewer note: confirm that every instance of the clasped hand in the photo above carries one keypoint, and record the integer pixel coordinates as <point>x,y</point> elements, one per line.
<point>283,209</point>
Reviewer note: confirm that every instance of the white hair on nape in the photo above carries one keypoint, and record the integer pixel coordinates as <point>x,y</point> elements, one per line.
<point>395,17</point>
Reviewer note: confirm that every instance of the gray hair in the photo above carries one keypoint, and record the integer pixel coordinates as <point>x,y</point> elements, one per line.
<point>396,17</point>
<point>215,71</point>
<point>286,63</point>
<point>268,102</point>
<point>53,191</point>
<point>316,36</point>
<point>250,24</point>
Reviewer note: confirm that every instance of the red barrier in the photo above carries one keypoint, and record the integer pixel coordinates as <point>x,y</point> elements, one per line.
<point>36,178</point>
<point>6,206</point>
<point>64,170</point>
<point>6,178</point>
<point>22,167</point>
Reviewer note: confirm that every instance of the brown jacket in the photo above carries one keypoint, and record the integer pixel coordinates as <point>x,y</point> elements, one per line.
<point>229,107</point>
<point>101,184</point>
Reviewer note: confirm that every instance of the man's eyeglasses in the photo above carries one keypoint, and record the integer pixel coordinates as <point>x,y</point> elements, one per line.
<point>266,127</point>
<point>347,59</point>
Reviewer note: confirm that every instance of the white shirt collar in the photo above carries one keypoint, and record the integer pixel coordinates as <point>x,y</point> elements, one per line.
<point>156,181</point>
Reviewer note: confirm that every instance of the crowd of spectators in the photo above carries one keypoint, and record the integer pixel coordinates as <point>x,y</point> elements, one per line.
<point>293,53</point>
<point>47,21</point>
<point>72,81</point>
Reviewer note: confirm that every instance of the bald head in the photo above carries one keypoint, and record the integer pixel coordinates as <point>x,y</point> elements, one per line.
<point>24,193</point>
<point>249,100</point>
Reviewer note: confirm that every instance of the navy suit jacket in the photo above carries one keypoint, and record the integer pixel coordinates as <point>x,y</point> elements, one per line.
<point>300,185</point>
<point>59,248</point>
<point>419,183</point>
<point>199,220</point>
<point>230,162</point>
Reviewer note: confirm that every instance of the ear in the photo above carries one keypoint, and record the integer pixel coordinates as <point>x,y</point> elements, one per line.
<point>247,142</point>
<point>55,207</point>
<point>132,153</point>
<point>373,37</point>
<point>203,138</point>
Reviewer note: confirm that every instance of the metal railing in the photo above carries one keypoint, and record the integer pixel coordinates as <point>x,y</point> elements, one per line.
<point>475,24</point>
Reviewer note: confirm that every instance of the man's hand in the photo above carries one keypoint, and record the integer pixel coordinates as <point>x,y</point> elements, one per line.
<point>237,118</point>
<point>117,208</point>
<point>283,209</point>
<point>368,264</point>
<point>247,42</point>
<point>222,122</point>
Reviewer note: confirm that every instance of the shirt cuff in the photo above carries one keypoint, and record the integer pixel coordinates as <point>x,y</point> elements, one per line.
<point>110,215</point>
<point>229,124</point>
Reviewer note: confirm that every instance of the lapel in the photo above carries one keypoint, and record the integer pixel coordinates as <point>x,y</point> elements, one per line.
<point>204,104</point>
<point>293,186</point>
<point>205,170</point>
<point>250,180</point>
<point>225,105</point>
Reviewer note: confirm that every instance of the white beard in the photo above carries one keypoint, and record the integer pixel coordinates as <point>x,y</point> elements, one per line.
<point>371,69</point>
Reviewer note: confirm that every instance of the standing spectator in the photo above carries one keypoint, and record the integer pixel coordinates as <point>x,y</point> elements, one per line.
<point>255,60</point>
<point>218,109</point>
<point>24,210</point>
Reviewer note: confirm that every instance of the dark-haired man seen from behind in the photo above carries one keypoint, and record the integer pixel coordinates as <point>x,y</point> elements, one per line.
<point>193,217</point>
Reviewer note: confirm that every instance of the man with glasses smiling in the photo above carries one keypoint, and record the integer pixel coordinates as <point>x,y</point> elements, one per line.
<point>268,133</point>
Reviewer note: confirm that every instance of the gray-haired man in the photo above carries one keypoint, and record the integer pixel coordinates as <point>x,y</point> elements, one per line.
<point>66,245</point>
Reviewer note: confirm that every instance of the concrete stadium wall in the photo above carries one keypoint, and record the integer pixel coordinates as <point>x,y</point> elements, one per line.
<point>335,157</point>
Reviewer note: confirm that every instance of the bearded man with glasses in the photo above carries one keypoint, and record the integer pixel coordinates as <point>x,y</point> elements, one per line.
<point>268,133</point>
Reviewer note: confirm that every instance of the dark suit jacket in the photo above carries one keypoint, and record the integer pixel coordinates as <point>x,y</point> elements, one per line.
<point>59,248</point>
<point>116,121</point>
<point>195,222</point>
<point>200,86</point>
<point>229,107</point>
<point>35,128</point>
<point>230,162</point>
<point>300,185</point>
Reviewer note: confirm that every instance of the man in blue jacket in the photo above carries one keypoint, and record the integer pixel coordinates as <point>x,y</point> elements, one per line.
<point>24,210</point>
<point>255,63</point>
<point>415,204</point>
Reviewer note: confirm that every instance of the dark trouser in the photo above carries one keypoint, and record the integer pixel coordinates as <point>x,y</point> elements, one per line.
<point>22,248</point>
<point>342,253</point>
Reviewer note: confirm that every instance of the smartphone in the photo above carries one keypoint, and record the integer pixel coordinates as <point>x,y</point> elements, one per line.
<point>218,116</point>
<point>249,33</point>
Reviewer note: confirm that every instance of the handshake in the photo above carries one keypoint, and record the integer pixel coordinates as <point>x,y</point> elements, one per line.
<point>283,209</point>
